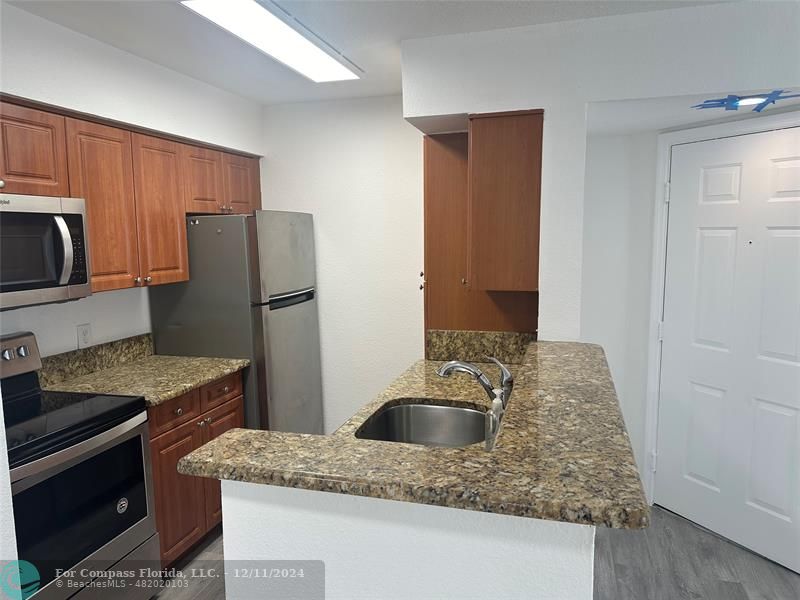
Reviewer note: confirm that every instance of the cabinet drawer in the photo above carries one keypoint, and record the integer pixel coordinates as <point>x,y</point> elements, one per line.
<point>172,413</point>
<point>219,391</point>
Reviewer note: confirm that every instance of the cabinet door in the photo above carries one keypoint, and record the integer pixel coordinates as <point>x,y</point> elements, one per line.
<point>160,214</point>
<point>33,152</point>
<point>242,183</point>
<point>180,499</point>
<point>101,172</point>
<point>450,303</point>
<point>218,421</point>
<point>202,186</point>
<point>505,164</point>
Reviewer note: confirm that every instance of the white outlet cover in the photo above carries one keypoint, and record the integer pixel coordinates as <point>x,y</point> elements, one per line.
<point>84,335</point>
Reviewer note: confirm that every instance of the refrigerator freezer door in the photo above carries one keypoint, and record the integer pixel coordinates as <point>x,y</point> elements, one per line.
<point>211,314</point>
<point>292,363</point>
<point>285,253</point>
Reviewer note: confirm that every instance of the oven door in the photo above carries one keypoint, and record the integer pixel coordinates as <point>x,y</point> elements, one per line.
<point>86,506</point>
<point>43,254</point>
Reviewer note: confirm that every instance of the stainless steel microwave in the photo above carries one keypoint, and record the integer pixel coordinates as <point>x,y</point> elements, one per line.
<point>44,256</point>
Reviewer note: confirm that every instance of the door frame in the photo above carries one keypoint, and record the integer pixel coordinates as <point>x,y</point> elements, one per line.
<point>666,141</point>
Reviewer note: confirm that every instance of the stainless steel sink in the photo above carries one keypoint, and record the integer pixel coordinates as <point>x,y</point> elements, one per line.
<point>428,424</point>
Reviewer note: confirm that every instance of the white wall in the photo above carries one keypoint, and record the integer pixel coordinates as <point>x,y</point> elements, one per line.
<point>47,62</point>
<point>356,165</point>
<point>112,315</point>
<point>562,66</point>
<point>617,248</point>
<point>375,548</point>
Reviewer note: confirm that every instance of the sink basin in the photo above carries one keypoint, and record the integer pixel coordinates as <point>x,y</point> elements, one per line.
<point>428,424</point>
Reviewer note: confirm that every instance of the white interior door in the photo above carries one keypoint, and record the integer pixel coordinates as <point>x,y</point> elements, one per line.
<point>728,430</point>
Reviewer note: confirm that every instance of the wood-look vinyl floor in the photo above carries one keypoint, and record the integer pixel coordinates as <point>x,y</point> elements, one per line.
<point>673,559</point>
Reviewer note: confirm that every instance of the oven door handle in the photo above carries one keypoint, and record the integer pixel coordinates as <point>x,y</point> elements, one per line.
<point>66,245</point>
<point>86,446</point>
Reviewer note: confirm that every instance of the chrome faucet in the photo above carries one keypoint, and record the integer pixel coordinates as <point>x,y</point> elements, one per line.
<point>498,396</point>
<point>457,366</point>
<point>506,378</point>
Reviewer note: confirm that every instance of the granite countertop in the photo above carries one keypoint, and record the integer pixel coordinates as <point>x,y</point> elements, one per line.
<point>156,377</point>
<point>563,453</point>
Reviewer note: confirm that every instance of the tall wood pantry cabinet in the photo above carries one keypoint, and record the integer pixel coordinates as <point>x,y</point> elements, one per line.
<point>482,202</point>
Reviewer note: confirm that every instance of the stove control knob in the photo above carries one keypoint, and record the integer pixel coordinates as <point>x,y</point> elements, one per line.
<point>8,354</point>
<point>22,351</point>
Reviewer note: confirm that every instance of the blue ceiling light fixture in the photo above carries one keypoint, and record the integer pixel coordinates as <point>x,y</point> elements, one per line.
<point>758,101</point>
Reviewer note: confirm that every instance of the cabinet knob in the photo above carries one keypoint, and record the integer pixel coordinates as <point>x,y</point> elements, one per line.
<point>2,184</point>
<point>148,279</point>
<point>137,280</point>
<point>207,420</point>
<point>201,423</point>
<point>226,389</point>
<point>179,411</point>
<point>463,281</point>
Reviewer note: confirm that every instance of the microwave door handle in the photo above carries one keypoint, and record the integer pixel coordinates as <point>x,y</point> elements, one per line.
<point>66,243</point>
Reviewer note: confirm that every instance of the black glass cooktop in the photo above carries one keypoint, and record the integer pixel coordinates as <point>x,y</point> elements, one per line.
<point>39,423</point>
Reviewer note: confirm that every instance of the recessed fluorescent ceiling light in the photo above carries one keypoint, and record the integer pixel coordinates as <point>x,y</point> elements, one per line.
<point>257,26</point>
<point>750,101</point>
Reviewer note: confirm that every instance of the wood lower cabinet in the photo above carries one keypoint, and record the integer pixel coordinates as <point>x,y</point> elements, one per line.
<point>189,507</point>
<point>33,153</point>
<point>101,172</point>
<point>203,189</point>
<point>179,499</point>
<point>242,183</point>
<point>219,420</point>
<point>160,214</point>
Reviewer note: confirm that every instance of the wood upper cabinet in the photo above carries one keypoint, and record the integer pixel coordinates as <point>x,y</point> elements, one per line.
<point>33,154</point>
<point>179,499</point>
<point>101,172</point>
<point>219,182</point>
<point>505,163</point>
<point>160,213</point>
<point>242,179</point>
<point>138,187</point>
<point>202,187</point>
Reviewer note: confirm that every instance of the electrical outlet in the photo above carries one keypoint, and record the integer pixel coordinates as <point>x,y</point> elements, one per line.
<point>84,335</point>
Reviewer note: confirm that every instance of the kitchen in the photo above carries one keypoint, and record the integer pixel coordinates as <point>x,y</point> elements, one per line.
<point>362,171</point>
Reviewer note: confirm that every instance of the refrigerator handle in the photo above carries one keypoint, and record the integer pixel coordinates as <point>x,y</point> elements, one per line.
<point>291,298</point>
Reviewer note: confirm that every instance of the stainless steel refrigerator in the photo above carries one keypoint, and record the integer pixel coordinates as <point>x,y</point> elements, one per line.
<point>251,294</point>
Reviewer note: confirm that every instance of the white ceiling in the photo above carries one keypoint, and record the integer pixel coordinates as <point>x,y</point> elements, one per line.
<point>659,114</point>
<point>368,32</point>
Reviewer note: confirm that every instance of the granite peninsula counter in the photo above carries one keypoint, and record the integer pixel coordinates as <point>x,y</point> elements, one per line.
<point>394,521</point>
<point>563,453</point>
